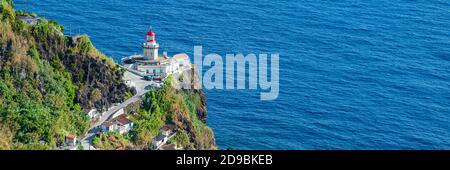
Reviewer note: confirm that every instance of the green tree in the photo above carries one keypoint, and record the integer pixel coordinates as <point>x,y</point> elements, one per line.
<point>96,95</point>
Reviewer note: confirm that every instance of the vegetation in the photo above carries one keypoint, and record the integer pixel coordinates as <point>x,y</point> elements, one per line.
<point>152,117</point>
<point>181,139</point>
<point>46,79</point>
<point>169,106</point>
<point>111,141</point>
<point>130,93</point>
<point>85,47</point>
<point>40,97</point>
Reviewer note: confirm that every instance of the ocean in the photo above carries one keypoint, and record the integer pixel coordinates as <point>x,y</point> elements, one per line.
<point>353,74</point>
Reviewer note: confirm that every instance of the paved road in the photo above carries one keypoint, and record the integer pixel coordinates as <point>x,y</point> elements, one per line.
<point>108,114</point>
<point>137,80</point>
<point>140,85</point>
<point>86,142</point>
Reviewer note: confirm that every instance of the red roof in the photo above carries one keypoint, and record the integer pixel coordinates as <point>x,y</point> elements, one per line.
<point>168,147</point>
<point>108,123</point>
<point>151,33</point>
<point>71,136</point>
<point>121,149</point>
<point>123,119</point>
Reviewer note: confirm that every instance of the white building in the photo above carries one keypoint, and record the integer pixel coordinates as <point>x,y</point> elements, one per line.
<point>124,124</point>
<point>160,67</point>
<point>71,140</point>
<point>155,65</point>
<point>120,123</point>
<point>109,126</point>
<point>158,141</point>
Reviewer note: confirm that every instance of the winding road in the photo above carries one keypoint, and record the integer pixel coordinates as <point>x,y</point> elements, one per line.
<point>140,85</point>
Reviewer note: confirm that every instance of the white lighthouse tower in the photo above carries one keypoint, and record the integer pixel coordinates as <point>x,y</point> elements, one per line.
<point>150,46</point>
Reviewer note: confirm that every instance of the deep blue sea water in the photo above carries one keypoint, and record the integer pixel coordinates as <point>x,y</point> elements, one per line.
<point>354,74</point>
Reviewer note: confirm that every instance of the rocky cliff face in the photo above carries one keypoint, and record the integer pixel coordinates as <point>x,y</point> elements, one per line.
<point>98,78</point>
<point>202,114</point>
<point>202,136</point>
<point>93,74</point>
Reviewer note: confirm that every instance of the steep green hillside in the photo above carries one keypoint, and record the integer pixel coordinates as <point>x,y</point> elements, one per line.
<point>46,79</point>
<point>186,109</point>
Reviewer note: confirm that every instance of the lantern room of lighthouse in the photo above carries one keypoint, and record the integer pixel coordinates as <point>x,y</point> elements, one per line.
<point>150,46</point>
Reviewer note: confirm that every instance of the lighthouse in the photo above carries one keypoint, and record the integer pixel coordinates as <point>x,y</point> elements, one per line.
<point>153,66</point>
<point>150,46</point>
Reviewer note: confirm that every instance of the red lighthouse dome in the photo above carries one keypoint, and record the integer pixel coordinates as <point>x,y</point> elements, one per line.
<point>151,35</point>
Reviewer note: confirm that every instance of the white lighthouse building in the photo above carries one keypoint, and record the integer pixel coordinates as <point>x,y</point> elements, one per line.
<point>150,46</point>
<point>152,64</point>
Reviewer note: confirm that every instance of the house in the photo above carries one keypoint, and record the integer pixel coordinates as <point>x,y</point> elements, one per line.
<point>109,126</point>
<point>120,123</point>
<point>124,124</point>
<point>163,137</point>
<point>159,140</point>
<point>71,140</point>
<point>122,129</point>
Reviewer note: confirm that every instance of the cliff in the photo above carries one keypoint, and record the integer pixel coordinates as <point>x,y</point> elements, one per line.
<point>186,109</point>
<point>46,79</point>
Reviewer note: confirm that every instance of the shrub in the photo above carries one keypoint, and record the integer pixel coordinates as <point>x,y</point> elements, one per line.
<point>7,10</point>
<point>110,141</point>
<point>182,139</point>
